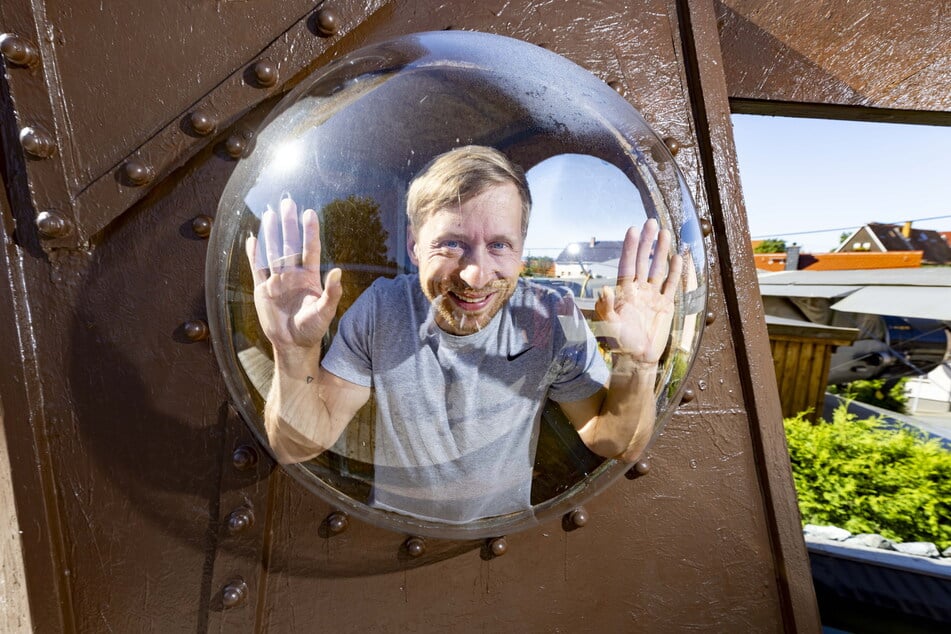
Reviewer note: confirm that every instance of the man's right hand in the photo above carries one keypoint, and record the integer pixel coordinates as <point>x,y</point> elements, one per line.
<point>294,309</point>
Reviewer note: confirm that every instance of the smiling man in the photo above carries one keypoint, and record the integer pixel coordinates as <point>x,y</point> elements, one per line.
<point>462,357</point>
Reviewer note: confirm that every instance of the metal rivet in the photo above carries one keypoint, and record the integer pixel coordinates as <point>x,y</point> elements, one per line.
<point>640,468</point>
<point>196,329</point>
<point>578,517</point>
<point>415,547</point>
<point>17,50</point>
<point>338,522</point>
<point>672,144</point>
<point>37,142</point>
<point>235,145</point>
<point>244,457</point>
<point>498,546</point>
<point>137,173</point>
<point>688,396</point>
<point>201,225</point>
<point>705,227</point>
<point>265,73</point>
<point>234,594</point>
<point>710,317</point>
<point>202,123</point>
<point>328,23</point>
<point>53,225</point>
<point>240,519</point>
<point>617,86</point>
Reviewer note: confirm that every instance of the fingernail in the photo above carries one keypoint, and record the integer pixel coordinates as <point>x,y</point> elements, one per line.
<point>269,208</point>
<point>285,195</point>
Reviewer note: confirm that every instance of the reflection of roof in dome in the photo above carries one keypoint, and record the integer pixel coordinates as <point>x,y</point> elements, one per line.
<point>600,251</point>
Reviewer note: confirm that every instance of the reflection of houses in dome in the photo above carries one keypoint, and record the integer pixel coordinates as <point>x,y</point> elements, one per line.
<point>597,258</point>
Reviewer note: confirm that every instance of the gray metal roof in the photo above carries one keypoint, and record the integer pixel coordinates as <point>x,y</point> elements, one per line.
<point>924,276</point>
<point>901,301</point>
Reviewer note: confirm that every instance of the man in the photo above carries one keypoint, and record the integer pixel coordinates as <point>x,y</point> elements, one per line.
<point>462,356</point>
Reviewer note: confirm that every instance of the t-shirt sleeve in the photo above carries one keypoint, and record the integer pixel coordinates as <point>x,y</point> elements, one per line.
<point>580,370</point>
<point>349,353</point>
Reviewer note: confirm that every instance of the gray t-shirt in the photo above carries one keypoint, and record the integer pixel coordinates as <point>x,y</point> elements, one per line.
<point>457,416</point>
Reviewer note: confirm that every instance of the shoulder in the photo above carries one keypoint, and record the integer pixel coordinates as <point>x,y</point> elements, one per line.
<point>555,299</point>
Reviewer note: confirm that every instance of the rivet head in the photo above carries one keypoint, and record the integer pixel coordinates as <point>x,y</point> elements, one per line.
<point>338,522</point>
<point>37,142</point>
<point>498,546</point>
<point>196,329</point>
<point>202,123</point>
<point>53,225</point>
<point>415,547</point>
<point>616,85</point>
<point>265,73</point>
<point>672,144</point>
<point>17,50</point>
<point>137,173</point>
<point>705,227</point>
<point>235,145</point>
<point>327,22</point>
<point>578,517</point>
<point>240,520</point>
<point>234,594</point>
<point>201,225</point>
<point>710,317</point>
<point>640,468</point>
<point>244,457</point>
<point>688,396</point>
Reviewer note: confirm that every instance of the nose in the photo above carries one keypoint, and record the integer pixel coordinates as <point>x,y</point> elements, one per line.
<point>475,269</point>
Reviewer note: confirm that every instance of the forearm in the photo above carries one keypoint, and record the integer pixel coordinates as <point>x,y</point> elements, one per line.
<point>297,417</point>
<point>625,423</point>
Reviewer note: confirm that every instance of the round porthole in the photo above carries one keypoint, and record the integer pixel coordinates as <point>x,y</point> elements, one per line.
<point>466,344</point>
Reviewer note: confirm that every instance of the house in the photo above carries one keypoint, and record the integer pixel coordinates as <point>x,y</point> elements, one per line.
<point>595,258</point>
<point>879,238</point>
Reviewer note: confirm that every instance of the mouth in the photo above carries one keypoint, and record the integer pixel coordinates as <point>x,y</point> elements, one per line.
<point>470,303</point>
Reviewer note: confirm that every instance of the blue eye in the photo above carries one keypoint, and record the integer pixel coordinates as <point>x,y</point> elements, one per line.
<point>498,246</point>
<point>452,244</point>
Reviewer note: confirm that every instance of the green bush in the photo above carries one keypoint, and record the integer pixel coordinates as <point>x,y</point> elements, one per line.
<point>885,393</point>
<point>859,476</point>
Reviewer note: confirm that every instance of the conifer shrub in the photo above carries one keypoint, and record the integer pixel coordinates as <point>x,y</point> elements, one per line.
<point>885,393</point>
<point>858,475</point>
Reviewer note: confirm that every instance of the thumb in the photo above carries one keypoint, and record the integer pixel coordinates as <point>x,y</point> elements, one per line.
<point>333,289</point>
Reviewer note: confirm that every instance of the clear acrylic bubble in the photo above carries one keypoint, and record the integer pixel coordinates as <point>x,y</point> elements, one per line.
<point>347,141</point>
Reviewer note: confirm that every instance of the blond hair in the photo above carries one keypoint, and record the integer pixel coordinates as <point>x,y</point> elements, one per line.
<point>457,176</point>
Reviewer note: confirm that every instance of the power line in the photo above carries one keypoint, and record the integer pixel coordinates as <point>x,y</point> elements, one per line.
<point>849,228</point>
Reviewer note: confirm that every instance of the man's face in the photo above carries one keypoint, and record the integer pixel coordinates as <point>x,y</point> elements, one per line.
<point>469,258</point>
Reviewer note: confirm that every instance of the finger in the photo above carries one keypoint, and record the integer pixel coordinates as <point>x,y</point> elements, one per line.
<point>604,306</point>
<point>288,208</point>
<point>644,247</point>
<point>658,265</point>
<point>333,289</point>
<point>628,261</point>
<point>311,227</point>
<point>251,249</point>
<point>673,277</point>
<point>271,228</point>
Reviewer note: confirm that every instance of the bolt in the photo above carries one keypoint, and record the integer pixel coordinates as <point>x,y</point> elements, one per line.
<point>639,469</point>
<point>578,517</point>
<point>196,329</point>
<point>415,547</point>
<point>201,225</point>
<point>244,457</point>
<point>705,227</point>
<point>234,594</point>
<point>688,396</point>
<point>53,225</point>
<point>137,173</point>
<point>235,145</point>
<point>672,144</point>
<point>498,546</point>
<point>265,73</point>
<point>710,317</point>
<point>327,22</point>
<point>240,519</point>
<point>202,123</point>
<point>37,142</point>
<point>338,522</point>
<point>17,50</point>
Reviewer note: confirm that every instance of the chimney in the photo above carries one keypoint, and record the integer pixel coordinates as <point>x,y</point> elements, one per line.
<point>792,257</point>
<point>592,242</point>
<point>906,229</point>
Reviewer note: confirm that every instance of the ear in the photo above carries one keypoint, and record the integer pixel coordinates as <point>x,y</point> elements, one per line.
<point>411,247</point>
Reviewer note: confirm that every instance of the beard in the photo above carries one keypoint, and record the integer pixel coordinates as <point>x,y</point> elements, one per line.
<point>462,310</point>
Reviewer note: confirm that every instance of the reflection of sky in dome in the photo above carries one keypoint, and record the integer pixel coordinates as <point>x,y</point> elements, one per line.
<point>576,197</point>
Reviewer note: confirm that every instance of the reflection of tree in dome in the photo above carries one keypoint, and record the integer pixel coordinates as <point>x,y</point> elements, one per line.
<point>354,240</point>
<point>543,266</point>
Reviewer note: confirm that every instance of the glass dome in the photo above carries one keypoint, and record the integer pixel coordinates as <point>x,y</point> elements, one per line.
<point>347,142</point>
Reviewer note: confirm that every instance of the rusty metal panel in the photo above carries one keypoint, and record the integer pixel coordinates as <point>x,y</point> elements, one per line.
<point>881,56</point>
<point>124,430</point>
<point>102,124</point>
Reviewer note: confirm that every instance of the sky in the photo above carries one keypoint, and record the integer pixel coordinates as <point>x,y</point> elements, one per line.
<point>806,181</point>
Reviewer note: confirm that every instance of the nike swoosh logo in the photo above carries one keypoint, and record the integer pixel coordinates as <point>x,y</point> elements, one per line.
<point>513,357</point>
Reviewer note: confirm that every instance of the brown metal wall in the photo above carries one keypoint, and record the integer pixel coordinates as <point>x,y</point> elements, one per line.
<point>120,435</point>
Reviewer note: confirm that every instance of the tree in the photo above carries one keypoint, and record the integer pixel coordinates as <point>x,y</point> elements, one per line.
<point>539,267</point>
<point>772,245</point>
